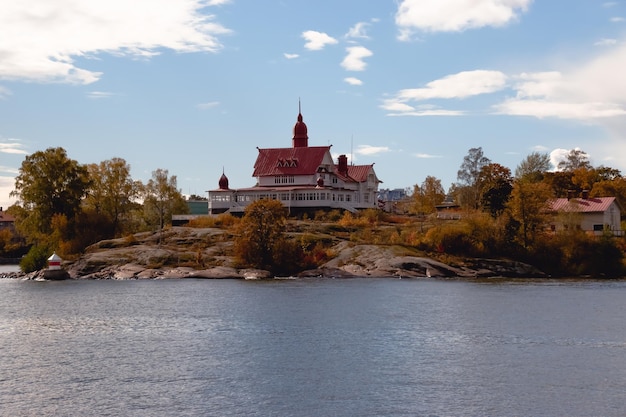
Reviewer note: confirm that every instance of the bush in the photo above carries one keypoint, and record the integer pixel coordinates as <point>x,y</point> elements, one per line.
<point>35,259</point>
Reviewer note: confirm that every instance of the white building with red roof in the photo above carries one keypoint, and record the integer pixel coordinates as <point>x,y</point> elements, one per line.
<point>302,178</point>
<point>593,214</point>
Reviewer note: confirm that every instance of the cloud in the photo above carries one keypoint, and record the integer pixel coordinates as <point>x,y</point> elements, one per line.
<point>561,110</point>
<point>354,60</point>
<point>353,81</point>
<point>99,94</point>
<point>605,42</point>
<point>461,85</point>
<point>456,86</point>
<point>588,90</point>
<point>559,155</point>
<point>617,19</point>
<point>425,156</point>
<point>429,112</point>
<point>12,148</point>
<point>208,105</point>
<point>316,41</point>
<point>41,39</point>
<point>371,150</point>
<point>4,92</point>
<point>290,56</point>
<point>455,15</point>
<point>358,31</point>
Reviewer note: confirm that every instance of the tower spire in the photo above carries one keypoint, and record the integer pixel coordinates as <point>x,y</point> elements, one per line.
<point>300,131</point>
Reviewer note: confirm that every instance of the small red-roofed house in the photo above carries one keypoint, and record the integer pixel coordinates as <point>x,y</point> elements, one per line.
<point>302,178</point>
<point>594,214</point>
<point>7,221</point>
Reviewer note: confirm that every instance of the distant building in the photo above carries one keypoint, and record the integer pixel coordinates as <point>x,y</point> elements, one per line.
<point>197,208</point>
<point>448,209</point>
<point>303,178</point>
<point>397,194</point>
<point>597,215</point>
<point>390,200</point>
<point>7,221</point>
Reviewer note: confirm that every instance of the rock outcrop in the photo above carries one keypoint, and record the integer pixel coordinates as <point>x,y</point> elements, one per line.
<point>204,253</point>
<point>182,252</point>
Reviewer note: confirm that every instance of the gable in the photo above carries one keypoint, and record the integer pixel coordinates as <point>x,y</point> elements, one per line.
<point>290,161</point>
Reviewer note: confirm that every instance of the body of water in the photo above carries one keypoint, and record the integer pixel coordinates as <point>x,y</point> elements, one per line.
<point>352,347</point>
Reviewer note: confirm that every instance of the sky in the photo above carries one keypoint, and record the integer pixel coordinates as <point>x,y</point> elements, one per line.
<point>195,86</point>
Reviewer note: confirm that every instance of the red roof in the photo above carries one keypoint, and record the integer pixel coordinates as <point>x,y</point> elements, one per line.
<point>359,172</point>
<point>582,205</point>
<point>6,217</point>
<point>289,161</point>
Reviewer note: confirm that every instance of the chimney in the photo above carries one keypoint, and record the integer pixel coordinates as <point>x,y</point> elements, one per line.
<point>570,194</point>
<point>585,194</point>
<point>343,164</point>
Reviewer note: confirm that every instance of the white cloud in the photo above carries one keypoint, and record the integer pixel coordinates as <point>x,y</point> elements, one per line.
<point>12,148</point>
<point>426,156</point>
<point>371,150</point>
<point>99,94</point>
<point>431,112</point>
<point>217,2</point>
<point>354,60</point>
<point>353,81</point>
<point>290,56</point>
<point>41,39</point>
<point>605,42</point>
<point>461,85</point>
<point>358,31</point>
<point>609,4</point>
<point>316,41</point>
<point>617,19</point>
<point>4,92</point>
<point>7,184</point>
<point>208,105</point>
<point>591,90</point>
<point>455,15</point>
<point>559,155</point>
<point>456,86</point>
<point>562,110</point>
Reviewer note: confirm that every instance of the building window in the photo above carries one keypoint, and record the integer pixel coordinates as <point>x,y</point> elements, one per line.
<point>598,227</point>
<point>284,179</point>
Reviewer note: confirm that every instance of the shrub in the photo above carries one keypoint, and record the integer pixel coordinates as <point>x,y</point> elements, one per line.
<point>35,259</point>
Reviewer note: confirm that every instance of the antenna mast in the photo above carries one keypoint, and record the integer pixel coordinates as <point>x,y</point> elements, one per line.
<point>351,146</point>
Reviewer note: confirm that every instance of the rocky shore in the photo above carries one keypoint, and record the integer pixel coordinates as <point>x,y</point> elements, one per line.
<point>183,252</point>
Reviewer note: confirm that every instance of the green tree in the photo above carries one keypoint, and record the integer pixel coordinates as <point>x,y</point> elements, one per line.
<point>162,198</point>
<point>468,176</point>
<point>428,195</point>
<point>261,237</point>
<point>528,205</point>
<point>533,167</point>
<point>495,188</point>
<point>112,191</point>
<point>48,184</point>
<point>611,188</point>
<point>561,183</point>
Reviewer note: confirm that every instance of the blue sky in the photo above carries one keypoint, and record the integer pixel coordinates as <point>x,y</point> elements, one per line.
<point>194,86</point>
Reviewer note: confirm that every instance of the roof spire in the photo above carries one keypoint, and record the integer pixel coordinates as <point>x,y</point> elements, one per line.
<point>300,134</point>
